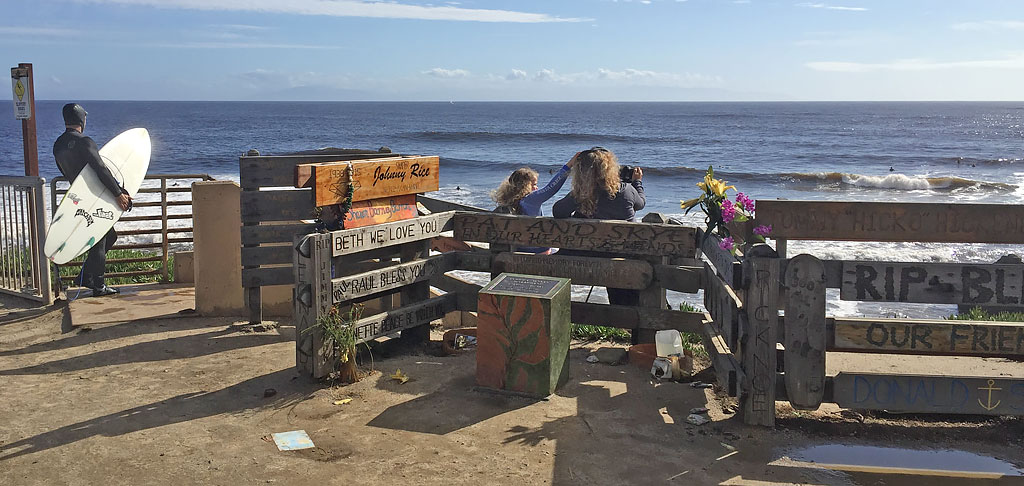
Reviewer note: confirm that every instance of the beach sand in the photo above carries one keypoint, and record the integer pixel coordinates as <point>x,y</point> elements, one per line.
<point>188,400</point>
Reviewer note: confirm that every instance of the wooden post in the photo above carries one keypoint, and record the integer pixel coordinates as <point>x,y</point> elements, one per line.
<point>805,332</point>
<point>653,297</point>
<point>759,355</point>
<point>312,299</point>
<point>28,126</point>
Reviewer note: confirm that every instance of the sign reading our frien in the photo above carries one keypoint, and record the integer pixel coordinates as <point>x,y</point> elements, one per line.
<point>933,283</point>
<point>389,234</point>
<point>577,234</point>
<point>962,338</point>
<point>891,221</point>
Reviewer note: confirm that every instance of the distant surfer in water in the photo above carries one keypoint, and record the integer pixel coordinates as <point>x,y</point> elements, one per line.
<point>73,151</point>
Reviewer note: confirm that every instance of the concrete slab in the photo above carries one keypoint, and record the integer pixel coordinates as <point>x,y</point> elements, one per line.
<point>135,302</point>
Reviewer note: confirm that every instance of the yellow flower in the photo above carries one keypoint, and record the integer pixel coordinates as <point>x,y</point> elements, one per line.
<point>690,203</point>
<point>703,186</point>
<point>718,187</point>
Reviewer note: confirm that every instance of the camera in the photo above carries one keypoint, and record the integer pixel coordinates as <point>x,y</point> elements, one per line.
<point>626,173</point>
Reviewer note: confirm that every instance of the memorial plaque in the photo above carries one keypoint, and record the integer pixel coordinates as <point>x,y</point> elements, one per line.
<point>538,287</point>
<point>523,334</point>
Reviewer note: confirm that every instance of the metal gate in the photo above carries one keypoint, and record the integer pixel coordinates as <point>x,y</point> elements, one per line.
<point>23,267</point>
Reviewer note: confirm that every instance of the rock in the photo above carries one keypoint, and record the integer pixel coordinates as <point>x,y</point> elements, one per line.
<point>699,410</point>
<point>612,356</point>
<point>269,392</point>
<point>593,359</point>
<point>697,419</point>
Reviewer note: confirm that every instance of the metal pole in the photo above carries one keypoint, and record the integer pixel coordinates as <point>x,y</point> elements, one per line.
<point>19,207</point>
<point>39,240</point>
<point>4,247</point>
<point>28,127</point>
<point>163,219</point>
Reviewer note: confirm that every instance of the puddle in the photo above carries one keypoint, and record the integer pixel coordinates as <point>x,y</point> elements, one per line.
<point>890,460</point>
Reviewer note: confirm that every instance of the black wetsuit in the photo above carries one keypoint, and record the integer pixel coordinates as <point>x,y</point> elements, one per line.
<point>73,151</point>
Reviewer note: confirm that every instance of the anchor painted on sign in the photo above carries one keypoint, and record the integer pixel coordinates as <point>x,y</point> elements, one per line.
<point>990,389</point>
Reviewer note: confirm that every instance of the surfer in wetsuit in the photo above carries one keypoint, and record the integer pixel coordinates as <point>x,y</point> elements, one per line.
<point>73,151</point>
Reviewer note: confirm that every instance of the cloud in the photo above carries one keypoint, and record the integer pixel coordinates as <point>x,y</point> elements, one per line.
<point>446,73</point>
<point>516,74</point>
<point>42,31</point>
<point>234,45</point>
<point>351,8</point>
<point>990,25</point>
<point>831,7</point>
<point>1012,62</point>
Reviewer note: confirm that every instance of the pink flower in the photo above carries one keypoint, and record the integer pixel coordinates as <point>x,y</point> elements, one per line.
<point>763,230</point>
<point>726,244</point>
<point>745,202</point>
<point>728,211</point>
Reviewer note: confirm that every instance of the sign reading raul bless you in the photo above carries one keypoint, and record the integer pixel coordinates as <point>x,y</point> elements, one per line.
<point>375,178</point>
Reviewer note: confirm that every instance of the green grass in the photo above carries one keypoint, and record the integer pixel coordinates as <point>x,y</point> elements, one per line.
<point>977,314</point>
<point>586,332</point>
<point>74,267</point>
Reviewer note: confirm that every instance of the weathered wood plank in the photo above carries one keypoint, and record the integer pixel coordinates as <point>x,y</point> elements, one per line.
<point>604,272</point>
<point>475,261</point>
<point>930,394</point>
<point>405,317</point>
<point>261,277</point>
<point>678,277</point>
<point>465,291</point>
<point>314,355</point>
<point>266,255</point>
<point>435,205</point>
<point>390,278</point>
<point>892,221</point>
<point>279,171</point>
<point>759,356</point>
<point>805,332</point>
<point>389,234</point>
<point>446,244</point>
<point>419,291</point>
<point>373,179</point>
<point>726,264</point>
<point>628,317</point>
<point>928,337</point>
<point>727,369</point>
<point>577,234</point>
<point>274,233</point>
<point>380,211</point>
<point>933,283</point>
<point>286,205</point>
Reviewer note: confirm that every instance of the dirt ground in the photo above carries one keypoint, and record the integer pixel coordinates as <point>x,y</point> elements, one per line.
<point>177,399</point>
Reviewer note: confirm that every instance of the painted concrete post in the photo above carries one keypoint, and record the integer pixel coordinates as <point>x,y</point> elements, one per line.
<point>523,333</point>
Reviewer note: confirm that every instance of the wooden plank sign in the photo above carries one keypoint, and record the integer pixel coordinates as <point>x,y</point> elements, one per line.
<point>934,337</point>
<point>383,210</point>
<point>389,278</point>
<point>355,240</point>
<point>893,221</point>
<point>759,356</point>
<point>407,317</point>
<point>374,179</point>
<point>725,263</point>
<point>931,394</point>
<point>605,272</point>
<point>314,356</point>
<point>577,234</point>
<point>933,283</point>
<point>805,332</point>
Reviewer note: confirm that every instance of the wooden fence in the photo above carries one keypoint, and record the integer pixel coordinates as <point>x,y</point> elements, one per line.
<point>355,265</point>
<point>744,294</point>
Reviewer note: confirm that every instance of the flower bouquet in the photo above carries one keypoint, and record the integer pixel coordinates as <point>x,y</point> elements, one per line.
<point>720,212</point>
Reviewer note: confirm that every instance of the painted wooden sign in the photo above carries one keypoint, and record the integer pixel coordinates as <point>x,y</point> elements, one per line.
<point>355,240</point>
<point>372,179</point>
<point>379,211</point>
<point>314,356</point>
<point>727,265</point>
<point>577,234</point>
<point>892,221</point>
<point>928,393</point>
<point>916,336</point>
<point>625,274</point>
<point>933,283</point>
<point>759,356</point>
<point>804,359</point>
<point>406,317</point>
<point>390,278</point>
<point>523,329</point>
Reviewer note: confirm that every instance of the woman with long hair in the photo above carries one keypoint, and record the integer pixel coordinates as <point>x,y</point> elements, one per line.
<point>599,192</point>
<point>518,194</point>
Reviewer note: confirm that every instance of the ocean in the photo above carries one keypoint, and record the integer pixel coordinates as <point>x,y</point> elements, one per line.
<point>962,152</point>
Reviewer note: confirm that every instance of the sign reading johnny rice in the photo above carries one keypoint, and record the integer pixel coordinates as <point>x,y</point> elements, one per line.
<point>933,283</point>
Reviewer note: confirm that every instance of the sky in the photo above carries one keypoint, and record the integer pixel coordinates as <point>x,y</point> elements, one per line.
<point>524,50</point>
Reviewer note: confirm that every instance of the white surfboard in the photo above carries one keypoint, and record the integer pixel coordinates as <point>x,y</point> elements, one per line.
<point>89,209</point>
